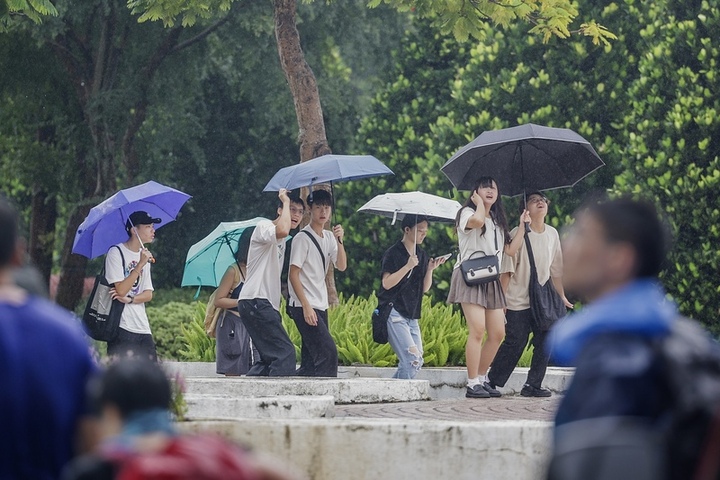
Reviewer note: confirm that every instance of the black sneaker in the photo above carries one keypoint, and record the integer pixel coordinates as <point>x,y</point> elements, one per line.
<point>491,390</point>
<point>530,391</point>
<point>476,391</point>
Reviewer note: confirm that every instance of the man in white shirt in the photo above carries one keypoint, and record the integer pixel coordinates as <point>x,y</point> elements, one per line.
<point>259,300</point>
<point>313,250</point>
<point>127,266</point>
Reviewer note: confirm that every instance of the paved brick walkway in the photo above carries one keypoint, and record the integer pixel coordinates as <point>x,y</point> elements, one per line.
<point>463,409</point>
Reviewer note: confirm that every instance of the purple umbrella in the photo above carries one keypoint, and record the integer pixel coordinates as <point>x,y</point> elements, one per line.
<point>105,224</point>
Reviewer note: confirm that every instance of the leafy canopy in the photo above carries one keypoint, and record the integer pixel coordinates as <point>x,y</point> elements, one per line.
<point>462,18</point>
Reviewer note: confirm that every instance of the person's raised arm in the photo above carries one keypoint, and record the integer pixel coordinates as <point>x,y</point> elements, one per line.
<point>282,227</point>
<point>433,263</point>
<point>390,280</point>
<point>339,234</point>
<point>513,247</point>
<point>122,287</point>
<point>477,220</point>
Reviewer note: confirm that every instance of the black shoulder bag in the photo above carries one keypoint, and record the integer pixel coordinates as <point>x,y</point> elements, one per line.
<point>546,306</point>
<point>479,270</point>
<point>102,314</point>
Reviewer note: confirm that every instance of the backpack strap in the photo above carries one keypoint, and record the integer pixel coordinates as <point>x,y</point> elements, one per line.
<point>322,255</point>
<point>122,258</point>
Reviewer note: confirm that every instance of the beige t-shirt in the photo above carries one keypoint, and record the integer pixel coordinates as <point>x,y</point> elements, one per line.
<point>265,260</point>
<point>548,261</point>
<point>305,255</point>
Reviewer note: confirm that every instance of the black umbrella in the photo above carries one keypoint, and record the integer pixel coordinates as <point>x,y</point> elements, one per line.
<point>525,158</point>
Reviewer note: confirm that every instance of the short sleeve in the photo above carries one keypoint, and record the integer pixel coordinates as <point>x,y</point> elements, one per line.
<point>265,232</point>
<point>508,263</point>
<point>465,215</point>
<point>389,262</point>
<point>114,268</point>
<point>299,250</point>
<point>556,267</point>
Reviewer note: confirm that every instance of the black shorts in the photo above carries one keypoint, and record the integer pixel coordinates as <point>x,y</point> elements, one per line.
<point>129,344</point>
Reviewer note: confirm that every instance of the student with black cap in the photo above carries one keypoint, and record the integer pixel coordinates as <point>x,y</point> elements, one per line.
<point>127,266</point>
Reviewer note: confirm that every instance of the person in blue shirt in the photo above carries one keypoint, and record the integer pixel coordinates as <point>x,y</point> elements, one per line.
<point>45,363</point>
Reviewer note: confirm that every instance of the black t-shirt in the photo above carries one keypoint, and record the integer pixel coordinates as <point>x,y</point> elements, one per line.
<point>406,295</point>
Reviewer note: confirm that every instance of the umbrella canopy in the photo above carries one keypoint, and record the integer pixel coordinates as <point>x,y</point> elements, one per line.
<point>105,224</point>
<point>208,259</point>
<point>327,169</point>
<point>398,205</point>
<point>523,159</point>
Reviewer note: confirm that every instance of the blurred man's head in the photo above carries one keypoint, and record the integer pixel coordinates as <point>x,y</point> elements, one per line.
<point>415,227</point>
<point>613,243</point>
<point>9,254</point>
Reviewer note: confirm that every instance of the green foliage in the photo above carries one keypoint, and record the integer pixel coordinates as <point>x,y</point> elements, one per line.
<point>550,18</point>
<point>443,331</point>
<point>197,346</point>
<point>35,10</point>
<point>166,323</point>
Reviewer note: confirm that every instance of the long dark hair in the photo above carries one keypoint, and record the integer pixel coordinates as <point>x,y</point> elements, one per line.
<point>497,211</point>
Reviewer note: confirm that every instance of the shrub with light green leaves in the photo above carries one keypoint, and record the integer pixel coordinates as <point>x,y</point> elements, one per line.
<point>166,323</point>
<point>443,330</point>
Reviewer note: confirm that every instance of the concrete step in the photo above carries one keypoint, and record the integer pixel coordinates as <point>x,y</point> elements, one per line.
<point>227,407</point>
<point>344,390</point>
<point>445,382</point>
<point>398,449</point>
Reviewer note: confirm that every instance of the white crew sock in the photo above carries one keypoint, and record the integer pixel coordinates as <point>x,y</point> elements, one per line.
<point>473,381</point>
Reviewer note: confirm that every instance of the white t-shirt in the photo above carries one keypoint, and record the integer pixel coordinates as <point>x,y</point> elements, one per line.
<point>264,265</point>
<point>472,240</point>
<point>548,262</point>
<point>305,255</point>
<point>133,319</point>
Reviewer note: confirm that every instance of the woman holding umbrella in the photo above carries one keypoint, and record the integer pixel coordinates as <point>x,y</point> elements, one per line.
<point>482,226</point>
<point>234,355</point>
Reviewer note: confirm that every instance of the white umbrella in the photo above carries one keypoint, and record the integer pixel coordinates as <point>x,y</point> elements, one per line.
<point>397,205</point>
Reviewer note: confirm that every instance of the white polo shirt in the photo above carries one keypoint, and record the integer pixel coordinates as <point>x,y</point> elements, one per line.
<point>305,255</point>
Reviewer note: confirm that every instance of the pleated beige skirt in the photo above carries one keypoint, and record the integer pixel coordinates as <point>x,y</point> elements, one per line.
<point>488,295</point>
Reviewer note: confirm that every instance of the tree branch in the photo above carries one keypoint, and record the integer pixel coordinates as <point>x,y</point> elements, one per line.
<point>201,36</point>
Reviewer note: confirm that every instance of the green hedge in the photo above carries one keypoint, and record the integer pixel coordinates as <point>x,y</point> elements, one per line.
<point>443,330</point>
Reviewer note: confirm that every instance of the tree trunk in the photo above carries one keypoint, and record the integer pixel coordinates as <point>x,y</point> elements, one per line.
<point>72,274</point>
<point>306,97</point>
<point>42,232</point>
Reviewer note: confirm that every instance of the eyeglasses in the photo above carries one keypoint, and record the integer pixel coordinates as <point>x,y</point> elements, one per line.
<point>299,211</point>
<point>536,199</point>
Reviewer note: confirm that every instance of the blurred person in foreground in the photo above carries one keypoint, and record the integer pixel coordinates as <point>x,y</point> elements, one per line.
<point>138,439</point>
<point>622,416</point>
<point>44,366</point>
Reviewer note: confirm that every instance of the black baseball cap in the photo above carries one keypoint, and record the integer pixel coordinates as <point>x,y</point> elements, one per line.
<point>140,218</point>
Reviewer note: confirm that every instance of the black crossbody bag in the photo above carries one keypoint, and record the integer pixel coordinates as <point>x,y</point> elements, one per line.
<point>484,269</point>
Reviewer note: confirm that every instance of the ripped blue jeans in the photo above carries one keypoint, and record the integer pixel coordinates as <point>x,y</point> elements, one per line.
<point>405,340</point>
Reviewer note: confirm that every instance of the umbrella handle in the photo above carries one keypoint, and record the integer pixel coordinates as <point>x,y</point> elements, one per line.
<point>142,245</point>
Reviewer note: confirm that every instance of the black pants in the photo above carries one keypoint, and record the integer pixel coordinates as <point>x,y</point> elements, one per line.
<point>129,344</point>
<point>517,332</point>
<point>264,324</point>
<point>318,355</point>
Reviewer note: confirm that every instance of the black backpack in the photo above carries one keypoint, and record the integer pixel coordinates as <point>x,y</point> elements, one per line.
<point>691,361</point>
<point>682,443</point>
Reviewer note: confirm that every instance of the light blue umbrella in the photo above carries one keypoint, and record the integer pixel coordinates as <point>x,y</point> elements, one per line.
<point>208,259</point>
<point>327,169</point>
<point>105,224</point>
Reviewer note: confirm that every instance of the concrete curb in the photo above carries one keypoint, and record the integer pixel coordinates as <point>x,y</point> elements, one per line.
<point>226,407</point>
<point>396,449</point>
<point>344,390</point>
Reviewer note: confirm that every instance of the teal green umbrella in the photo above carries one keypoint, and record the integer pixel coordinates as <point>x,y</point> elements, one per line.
<point>207,260</point>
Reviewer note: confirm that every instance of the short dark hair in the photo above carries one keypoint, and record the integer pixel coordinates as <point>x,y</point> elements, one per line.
<point>132,385</point>
<point>320,197</point>
<point>638,223</point>
<point>409,221</point>
<point>9,219</point>
<point>294,198</point>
